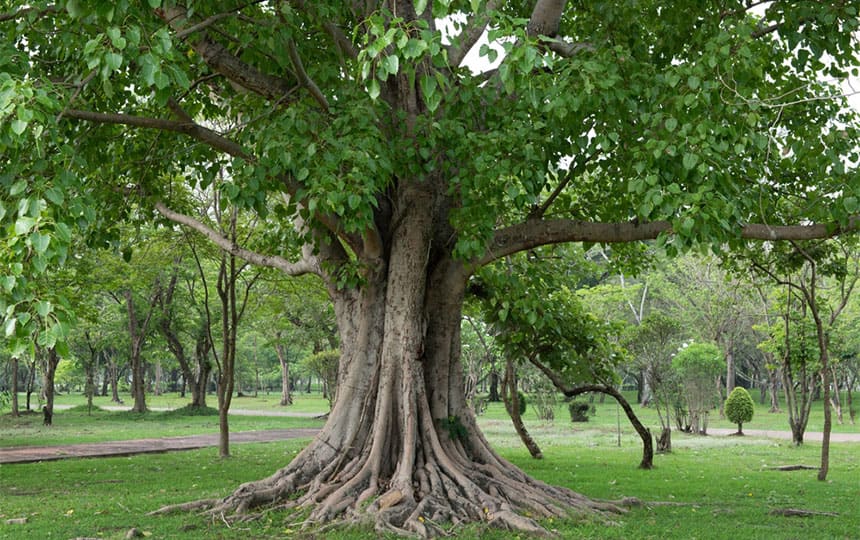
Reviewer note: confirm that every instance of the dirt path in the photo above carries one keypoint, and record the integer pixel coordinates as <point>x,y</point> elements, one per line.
<point>809,436</point>
<point>30,454</point>
<point>234,412</point>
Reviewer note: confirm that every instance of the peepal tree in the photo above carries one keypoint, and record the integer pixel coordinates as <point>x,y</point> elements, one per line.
<point>384,165</point>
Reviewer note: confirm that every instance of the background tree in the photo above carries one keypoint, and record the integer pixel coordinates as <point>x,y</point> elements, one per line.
<point>653,344</point>
<point>699,365</point>
<point>739,407</point>
<point>393,172</point>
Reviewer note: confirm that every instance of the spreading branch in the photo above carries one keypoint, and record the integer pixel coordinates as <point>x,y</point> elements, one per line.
<point>534,233</point>
<point>304,266</point>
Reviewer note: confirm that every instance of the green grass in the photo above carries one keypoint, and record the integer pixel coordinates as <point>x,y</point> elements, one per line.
<point>715,487</point>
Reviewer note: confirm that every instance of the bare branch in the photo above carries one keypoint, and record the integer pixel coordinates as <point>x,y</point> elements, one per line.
<point>475,26</point>
<point>270,261</point>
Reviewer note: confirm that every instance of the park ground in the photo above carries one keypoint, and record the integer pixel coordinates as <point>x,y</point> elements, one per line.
<point>710,487</point>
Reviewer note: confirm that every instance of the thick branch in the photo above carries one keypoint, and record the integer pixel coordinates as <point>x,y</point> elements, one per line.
<point>533,233</point>
<point>227,64</point>
<point>546,18</point>
<point>196,131</point>
<point>270,261</point>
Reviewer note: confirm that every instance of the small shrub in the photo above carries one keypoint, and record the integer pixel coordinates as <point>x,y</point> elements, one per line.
<point>579,410</point>
<point>739,407</point>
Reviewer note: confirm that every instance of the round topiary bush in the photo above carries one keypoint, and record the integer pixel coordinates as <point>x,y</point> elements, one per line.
<point>739,407</point>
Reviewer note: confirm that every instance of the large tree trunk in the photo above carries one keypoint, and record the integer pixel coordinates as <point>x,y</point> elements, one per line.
<point>401,445</point>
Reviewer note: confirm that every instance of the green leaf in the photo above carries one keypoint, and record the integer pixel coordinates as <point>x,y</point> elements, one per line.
<point>851,205</point>
<point>154,3</point>
<point>694,82</point>
<point>690,160</point>
<point>113,61</point>
<point>74,8</point>
<point>23,225</point>
<point>55,195</point>
<point>18,188</point>
<point>18,126</point>
<point>43,308</point>
<point>373,89</point>
<point>420,6</point>
<point>671,124</point>
<point>64,234</point>
<point>40,242</point>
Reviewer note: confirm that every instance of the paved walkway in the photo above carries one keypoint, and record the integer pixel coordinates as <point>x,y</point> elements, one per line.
<point>30,454</point>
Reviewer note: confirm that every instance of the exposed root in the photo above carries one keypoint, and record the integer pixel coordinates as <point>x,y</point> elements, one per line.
<point>184,507</point>
<point>798,512</point>
<point>793,468</point>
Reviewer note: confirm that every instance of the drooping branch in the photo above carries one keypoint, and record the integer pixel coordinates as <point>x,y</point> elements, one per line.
<point>305,266</point>
<point>644,433</point>
<point>227,64</point>
<point>534,233</point>
<point>475,26</point>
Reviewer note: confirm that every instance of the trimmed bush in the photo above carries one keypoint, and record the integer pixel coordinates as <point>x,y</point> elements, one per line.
<point>739,407</point>
<point>579,410</point>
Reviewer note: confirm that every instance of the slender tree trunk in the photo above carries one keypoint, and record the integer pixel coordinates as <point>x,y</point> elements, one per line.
<point>773,382</point>
<point>512,404</point>
<point>730,371</point>
<point>114,380</point>
<point>15,411</point>
<point>48,387</point>
<point>835,397</point>
<point>286,395</point>
<point>31,381</point>
<point>105,380</point>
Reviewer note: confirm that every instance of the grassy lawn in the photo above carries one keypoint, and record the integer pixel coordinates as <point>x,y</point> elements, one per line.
<point>710,487</point>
